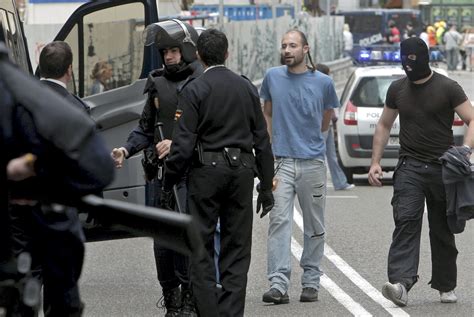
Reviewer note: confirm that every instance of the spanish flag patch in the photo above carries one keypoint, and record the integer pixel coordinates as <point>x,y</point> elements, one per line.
<point>178,114</point>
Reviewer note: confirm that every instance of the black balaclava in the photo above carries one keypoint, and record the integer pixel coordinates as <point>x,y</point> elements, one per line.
<point>419,67</point>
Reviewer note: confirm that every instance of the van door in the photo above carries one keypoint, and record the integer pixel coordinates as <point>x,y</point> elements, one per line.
<point>110,68</point>
<point>11,33</point>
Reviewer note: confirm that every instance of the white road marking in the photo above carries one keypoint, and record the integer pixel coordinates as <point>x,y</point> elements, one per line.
<point>355,277</point>
<point>342,297</point>
<point>352,196</point>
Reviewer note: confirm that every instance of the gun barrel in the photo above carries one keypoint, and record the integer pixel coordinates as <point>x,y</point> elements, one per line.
<point>174,230</point>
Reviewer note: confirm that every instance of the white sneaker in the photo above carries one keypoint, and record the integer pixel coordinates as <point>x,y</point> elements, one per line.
<point>397,293</point>
<point>348,187</point>
<point>448,297</point>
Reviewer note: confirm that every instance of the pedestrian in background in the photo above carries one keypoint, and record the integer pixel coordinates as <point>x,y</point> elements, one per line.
<point>408,31</point>
<point>220,125</point>
<point>178,52</point>
<point>348,40</point>
<point>440,27</point>
<point>424,35</point>
<point>431,36</point>
<point>101,74</point>
<point>297,100</point>
<point>426,102</point>
<point>468,44</point>
<point>338,177</point>
<point>452,39</point>
<point>393,33</point>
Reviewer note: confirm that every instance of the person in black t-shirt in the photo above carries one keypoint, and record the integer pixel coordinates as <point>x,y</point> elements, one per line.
<point>426,102</point>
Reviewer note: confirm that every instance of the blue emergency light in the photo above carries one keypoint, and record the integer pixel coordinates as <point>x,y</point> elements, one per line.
<point>385,54</point>
<point>379,54</point>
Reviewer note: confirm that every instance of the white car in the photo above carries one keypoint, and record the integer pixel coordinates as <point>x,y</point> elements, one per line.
<point>362,102</point>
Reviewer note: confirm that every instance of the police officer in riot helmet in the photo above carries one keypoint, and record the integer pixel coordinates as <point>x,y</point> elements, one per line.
<point>176,42</point>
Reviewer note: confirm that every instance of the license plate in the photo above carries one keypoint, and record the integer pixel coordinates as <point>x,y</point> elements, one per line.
<point>393,140</point>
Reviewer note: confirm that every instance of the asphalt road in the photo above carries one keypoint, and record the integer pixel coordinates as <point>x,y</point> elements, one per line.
<point>119,277</point>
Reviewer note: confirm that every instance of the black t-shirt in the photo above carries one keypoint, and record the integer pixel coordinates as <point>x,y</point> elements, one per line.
<point>426,115</point>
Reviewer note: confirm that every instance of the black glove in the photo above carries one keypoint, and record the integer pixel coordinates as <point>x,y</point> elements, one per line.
<point>167,199</point>
<point>265,198</point>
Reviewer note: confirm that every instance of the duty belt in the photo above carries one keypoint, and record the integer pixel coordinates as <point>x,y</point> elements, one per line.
<point>229,156</point>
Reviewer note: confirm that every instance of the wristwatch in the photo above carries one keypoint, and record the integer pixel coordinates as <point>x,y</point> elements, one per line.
<point>467,147</point>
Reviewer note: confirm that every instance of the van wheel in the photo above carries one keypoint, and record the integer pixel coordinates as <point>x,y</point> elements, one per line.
<point>349,174</point>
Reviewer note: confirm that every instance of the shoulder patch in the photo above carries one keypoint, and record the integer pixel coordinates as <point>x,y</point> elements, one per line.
<point>178,114</point>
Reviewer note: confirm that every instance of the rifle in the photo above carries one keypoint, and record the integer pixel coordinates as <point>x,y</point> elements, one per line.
<point>159,125</point>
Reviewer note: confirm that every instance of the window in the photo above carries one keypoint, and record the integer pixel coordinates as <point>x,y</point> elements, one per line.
<point>113,47</point>
<point>72,40</point>
<point>13,39</point>
<point>371,91</point>
<point>347,88</point>
<point>359,23</point>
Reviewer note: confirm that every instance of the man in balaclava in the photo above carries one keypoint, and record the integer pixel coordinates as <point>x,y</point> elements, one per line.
<point>176,42</point>
<point>426,102</point>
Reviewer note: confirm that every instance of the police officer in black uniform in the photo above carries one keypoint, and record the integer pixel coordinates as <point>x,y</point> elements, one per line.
<point>176,42</point>
<point>220,122</point>
<point>46,162</point>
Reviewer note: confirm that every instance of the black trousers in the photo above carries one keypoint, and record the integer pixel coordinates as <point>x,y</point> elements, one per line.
<point>415,181</point>
<point>225,192</point>
<point>172,268</point>
<point>56,243</point>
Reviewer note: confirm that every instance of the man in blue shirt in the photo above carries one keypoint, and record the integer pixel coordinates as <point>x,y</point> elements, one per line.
<point>296,101</point>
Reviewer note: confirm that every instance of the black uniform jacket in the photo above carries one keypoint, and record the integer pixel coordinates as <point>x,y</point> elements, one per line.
<point>219,109</point>
<point>458,179</point>
<point>66,94</point>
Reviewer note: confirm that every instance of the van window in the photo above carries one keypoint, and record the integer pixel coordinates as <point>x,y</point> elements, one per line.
<point>72,40</point>
<point>371,91</point>
<point>113,47</point>
<point>364,23</point>
<point>402,19</point>
<point>13,38</point>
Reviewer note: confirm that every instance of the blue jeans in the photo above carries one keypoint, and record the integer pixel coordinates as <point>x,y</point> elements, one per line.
<point>337,175</point>
<point>307,180</point>
<point>452,58</point>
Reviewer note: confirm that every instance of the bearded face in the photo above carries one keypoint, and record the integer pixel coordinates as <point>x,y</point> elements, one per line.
<point>292,51</point>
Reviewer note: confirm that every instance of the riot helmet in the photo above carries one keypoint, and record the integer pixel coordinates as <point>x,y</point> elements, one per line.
<point>173,33</point>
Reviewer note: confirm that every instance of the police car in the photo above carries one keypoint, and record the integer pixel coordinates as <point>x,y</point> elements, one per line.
<point>362,102</point>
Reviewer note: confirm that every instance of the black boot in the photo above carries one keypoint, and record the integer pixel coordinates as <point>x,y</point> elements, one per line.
<point>189,306</point>
<point>171,302</point>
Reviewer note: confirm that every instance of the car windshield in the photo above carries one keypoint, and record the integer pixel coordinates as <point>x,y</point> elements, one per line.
<point>371,91</point>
